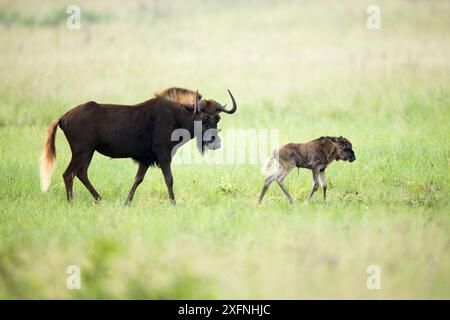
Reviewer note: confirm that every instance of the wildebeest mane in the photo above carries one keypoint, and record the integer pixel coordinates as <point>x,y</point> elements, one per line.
<point>178,95</point>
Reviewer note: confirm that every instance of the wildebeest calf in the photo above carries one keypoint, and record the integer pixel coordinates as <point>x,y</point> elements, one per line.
<point>315,155</point>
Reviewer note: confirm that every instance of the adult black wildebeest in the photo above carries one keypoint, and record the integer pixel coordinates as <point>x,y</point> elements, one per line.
<point>142,132</point>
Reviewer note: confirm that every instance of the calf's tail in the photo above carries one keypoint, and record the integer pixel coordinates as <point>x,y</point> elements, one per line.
<point>269,162</point>
<point>48,157</point>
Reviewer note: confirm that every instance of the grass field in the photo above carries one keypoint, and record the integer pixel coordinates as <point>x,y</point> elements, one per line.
<point>307,68</point>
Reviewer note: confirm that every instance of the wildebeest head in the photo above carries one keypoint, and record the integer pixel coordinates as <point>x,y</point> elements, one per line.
<point>207,111</point>
<point>345,149</point>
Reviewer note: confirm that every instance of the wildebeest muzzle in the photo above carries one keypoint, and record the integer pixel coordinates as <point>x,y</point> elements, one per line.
<point>352,156</point>
<point>211,139</point>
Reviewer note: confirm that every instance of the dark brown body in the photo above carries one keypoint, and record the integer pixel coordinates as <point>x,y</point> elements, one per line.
<point>315,155</point>
<point>142,132</point>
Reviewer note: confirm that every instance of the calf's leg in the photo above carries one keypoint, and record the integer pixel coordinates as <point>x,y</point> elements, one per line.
<point>316,183</point>
<point>323,184</point>
<point>137,180</point>
<point>267,183</point>
<point>280,181</point>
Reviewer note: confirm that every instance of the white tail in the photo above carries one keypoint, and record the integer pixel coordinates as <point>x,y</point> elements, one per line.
<point>48,157</point>
<point>266,169</point>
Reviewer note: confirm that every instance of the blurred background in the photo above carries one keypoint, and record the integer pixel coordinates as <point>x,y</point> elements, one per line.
<point>275,55</point>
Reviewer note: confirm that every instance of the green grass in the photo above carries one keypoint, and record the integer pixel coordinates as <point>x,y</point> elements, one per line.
<point>305,68</point>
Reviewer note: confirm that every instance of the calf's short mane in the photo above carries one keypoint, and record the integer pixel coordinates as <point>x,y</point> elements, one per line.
<point>334,139</point>
<point>178,95</point>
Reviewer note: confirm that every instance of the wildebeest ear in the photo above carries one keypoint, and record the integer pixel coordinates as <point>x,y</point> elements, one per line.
<point>202,104</point>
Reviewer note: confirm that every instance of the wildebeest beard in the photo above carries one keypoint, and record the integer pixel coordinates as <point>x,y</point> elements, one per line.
<point>208,140</point>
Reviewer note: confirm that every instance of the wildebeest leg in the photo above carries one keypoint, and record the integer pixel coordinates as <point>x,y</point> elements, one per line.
<point>316,183</point>
<point>267,183</point>
<point>76,163</point>
<point>85,161</point>
<point>68,176</point>
<point>168,178</point>
<point>323,184</point>
<point>280,181</point>
<point>142,170</point>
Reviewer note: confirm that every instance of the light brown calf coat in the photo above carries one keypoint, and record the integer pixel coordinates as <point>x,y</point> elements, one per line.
<point>315,155</point>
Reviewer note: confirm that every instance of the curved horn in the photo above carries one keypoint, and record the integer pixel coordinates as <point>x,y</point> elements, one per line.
<point>196,102</point>
<point>233,109</point>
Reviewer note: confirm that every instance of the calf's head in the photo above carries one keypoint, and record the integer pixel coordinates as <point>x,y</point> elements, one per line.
<point>345,152</point>
<point>207,111</point>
